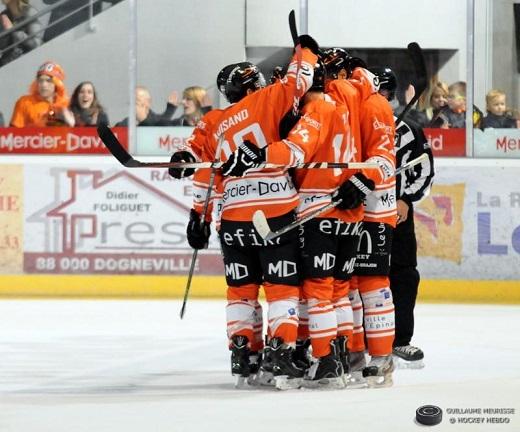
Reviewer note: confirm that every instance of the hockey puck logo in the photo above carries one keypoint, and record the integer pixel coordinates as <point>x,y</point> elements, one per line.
<point>429,415</point>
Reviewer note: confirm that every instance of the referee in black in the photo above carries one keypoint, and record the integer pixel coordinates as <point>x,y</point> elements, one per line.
<point>412,186</point>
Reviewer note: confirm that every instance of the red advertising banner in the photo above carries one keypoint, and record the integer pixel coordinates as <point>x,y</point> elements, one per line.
<point>447,142</point>
<point>56,140</point>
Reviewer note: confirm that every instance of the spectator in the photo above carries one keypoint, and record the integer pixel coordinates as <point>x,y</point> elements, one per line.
<point>2,123</point>
<point>143,113</point>
<point>453,115</point>
<point>196,103</point>
<point>47,101</point>
<point>85,106</point>
<point>438,98</point>
<point>26,38</point>
<point>496,111</point>
<point>69,15</point>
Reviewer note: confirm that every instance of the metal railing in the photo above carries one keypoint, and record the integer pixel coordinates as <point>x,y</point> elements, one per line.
<point>45,11</point>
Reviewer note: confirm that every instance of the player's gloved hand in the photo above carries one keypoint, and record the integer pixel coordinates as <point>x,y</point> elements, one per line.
<point>181,156</point>
<point>307,41</point>
<point>244,158</point>
<point>353,191</point>
<point>198,235</point>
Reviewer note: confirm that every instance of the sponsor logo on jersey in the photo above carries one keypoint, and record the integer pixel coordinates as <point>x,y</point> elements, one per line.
<point>282,268</point>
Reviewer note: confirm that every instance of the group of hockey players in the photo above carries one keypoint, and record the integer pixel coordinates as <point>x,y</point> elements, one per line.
<point>326,283</point>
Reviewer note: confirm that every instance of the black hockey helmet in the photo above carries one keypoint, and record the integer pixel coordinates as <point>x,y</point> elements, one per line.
<point>338,59</point>
<point>277,74</point>
<point>387,80</point>
<point>318,81</point>
<point>223,76</point>
<point>243,76</point>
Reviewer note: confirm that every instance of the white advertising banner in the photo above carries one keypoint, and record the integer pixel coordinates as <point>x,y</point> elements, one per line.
<point>153,141</point>
<point>80,219</point>
<point>497,143</point>
<point>469,226</point>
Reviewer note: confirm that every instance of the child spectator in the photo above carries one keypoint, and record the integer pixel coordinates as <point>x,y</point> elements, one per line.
<point>26,38</point>
<point>47,101</point>
<point>85,106</point>
<point>196,103</point>
<point>453,115</point>
<point>496,111</point>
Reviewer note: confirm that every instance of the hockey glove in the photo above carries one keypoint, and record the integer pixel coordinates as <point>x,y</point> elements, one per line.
<point>307,41</point>
<point>353,192</point>
<point>244,158</point>
<point>181,156</point>
<point>198,235</point>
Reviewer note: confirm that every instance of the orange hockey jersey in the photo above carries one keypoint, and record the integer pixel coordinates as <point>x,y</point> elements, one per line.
<point>322,134</point>
<point>256,118</point>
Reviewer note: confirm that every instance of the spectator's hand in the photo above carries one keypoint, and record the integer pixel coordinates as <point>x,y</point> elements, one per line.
<point>409,93</point>
<point>68,117</point>
<point>6,22</point>
<point>244,158</point>
<point>402,211</point>
<point>206,101</point>
<point>198,235</point>
<point>181,156</point>
<point>353,191</point>
<point>173,98</point>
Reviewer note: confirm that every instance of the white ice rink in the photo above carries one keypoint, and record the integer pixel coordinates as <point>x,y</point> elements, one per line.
<point>135,366</point>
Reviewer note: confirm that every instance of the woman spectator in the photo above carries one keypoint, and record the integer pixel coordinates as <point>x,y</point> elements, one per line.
<point>85,106</point>
<point>196,103</point>
<point>26,38</point>
<point>438,99</point>
<point>47,101</point>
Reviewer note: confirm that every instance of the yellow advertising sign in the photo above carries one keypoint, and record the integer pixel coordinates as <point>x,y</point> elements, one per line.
<point>438,223</point>
<point>11,219</point>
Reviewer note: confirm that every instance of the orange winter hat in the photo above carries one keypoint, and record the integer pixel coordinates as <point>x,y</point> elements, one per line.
<point>51,69</point>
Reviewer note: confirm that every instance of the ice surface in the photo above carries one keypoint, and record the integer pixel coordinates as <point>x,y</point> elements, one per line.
<point>135,366</point>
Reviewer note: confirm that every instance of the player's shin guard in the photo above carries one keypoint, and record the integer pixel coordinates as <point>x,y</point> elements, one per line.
<point>322,326</point>
<point>358,336</point>
<point>240,311</point>
<point>343,308</point>
<point>303,321</point>
<point>379,314</point>
<point>283,311</point>
<point>257,344</point>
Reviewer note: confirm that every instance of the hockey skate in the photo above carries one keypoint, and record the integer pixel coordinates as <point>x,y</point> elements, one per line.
<point>344,357</point>
<point>357,364</point>
<point>378,373</point>
<point>287,374</point>
<point>240,360</point>
<point>255,360</point>
<point>408,357</point>
<point>265,377</point>
<point>326,372</point>
<point>301,354</point>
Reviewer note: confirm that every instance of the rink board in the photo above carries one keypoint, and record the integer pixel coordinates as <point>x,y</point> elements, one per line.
<point>172,287</point>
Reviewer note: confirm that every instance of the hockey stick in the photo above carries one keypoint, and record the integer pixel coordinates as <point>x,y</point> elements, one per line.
<point>262,226</point>
<point>421,78</point>
<point>202,220</point>
<point>120,153</point>
<point>298,49</point>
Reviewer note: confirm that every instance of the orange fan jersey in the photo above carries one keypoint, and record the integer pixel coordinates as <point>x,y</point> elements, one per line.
<point>323,134</point>
<point>256,118</point>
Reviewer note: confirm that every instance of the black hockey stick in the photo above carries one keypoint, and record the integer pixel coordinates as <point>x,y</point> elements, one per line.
<point>202,220</point>
<point>262,226</point>
<point>298,49</point>
<point>421,78</point>
<point>120,153</point>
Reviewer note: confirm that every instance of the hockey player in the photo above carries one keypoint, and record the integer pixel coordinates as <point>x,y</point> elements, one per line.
<point>239,138</point>
<point>329,242</point>
<point>198,236</point>
<point>372,263</point>
<point>412,186</point>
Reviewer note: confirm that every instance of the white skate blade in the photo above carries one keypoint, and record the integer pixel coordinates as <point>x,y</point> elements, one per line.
<point>401,363</point>
<point>264,378</point>
<point>336,383</point>
<point>283,382</point>
<point>380,381</point>
<point>355,380</point>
